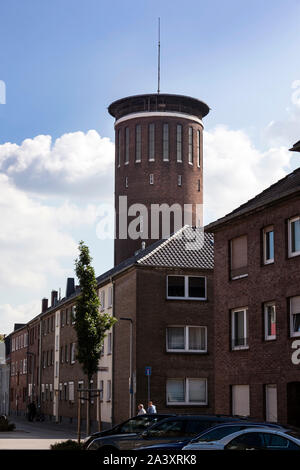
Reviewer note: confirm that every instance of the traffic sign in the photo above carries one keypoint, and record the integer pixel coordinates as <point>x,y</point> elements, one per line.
<point>148,370</point>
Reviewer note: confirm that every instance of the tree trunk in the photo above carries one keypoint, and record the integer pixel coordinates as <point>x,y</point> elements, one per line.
<point>88,409</point>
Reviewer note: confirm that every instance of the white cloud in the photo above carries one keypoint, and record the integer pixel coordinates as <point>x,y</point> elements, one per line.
<point>235,171</point>
<point>76,164</point>
<point>20,314</point>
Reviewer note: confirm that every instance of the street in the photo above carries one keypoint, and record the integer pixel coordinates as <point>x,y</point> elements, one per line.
<point>34,436</point>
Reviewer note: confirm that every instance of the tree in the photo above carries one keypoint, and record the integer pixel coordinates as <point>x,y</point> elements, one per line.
<point>90,325</point>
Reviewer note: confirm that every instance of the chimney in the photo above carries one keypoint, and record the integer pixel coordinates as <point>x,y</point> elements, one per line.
<point>44,305</point>
<point>70,289</point>
<point>54,295</point>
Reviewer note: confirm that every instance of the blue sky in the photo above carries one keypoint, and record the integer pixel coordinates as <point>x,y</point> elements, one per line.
<point>63,63</point>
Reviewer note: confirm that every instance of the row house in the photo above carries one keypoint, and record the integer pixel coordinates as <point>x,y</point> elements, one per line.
<point>257,305</point>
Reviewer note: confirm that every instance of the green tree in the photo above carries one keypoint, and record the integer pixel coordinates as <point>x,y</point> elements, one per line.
<point>90,325</point>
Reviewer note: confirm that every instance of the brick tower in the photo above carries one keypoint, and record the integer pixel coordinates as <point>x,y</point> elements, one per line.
<point>159,159</point>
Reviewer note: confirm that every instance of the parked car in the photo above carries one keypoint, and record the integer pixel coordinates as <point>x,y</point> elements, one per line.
<point>250,439</point>
<point>133,425</point>
<point>171,429</point>
<point>214,433</point>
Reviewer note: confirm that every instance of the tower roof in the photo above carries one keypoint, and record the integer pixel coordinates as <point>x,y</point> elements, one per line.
<point>158,102</point>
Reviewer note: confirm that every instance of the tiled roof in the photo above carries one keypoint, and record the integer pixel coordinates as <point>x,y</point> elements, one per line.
<point>296,147</point>
<point>287,186</point>
<point>181,251</point>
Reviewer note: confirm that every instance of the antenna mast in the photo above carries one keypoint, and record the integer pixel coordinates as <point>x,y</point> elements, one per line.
<point>158,65</point>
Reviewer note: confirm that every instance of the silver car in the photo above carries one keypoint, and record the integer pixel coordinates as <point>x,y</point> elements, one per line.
<point>250,439</point>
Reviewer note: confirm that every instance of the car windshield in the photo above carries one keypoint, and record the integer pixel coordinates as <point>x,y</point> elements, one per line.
<point>179,428</point>
<point>137,425</point>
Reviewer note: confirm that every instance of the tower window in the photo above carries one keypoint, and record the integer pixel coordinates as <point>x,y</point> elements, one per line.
<point>151,178</point>
<point>166,142</point>
<point>179,142</point>
<point>191,156</point>
<point>138,143</point>
<point>198,148</point>
<point>126,181</point>
<point>126,145</point>
<point>119,147</point>
<point>199,185</point>
<point>151,142</point>
<point>179,180</point>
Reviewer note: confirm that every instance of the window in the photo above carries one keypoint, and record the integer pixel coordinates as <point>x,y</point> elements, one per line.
<point>101,388</point>
<point>61,354</point>
<point>65,391</point>
<point>73,314</point>
<point>138,143</point>
<point>67,316</point>
<point>271,402</point>
<point>294,236</point>
<point>240,400</point>
<point>179,180</point>
<point>247,441</point>
<point>108,390</point>
<point>295,316</point>
<point>186,287</point>
<point>179,142</point>
<point>187,391</point>
<point>56,368</point>
<point>198,148</point>
<point>151,178</point>
<point>126,145</point>
<point>239,327</point>
<point>119,147</point>
<point>268,245</point>
<point>109,343</point>
<point>71,391</point>
<point>110,297</point>
<point>66,353</point>
<point>80,387</point>
<point>199,186</point>
<point>166,142</point>
<point>191,150</point>
<point>151,131</point>
<point>73,347</point>
<point>274,441</point>
<point>126,181</point>
<point>187,339</point>
<point>56,343</point>
<point>239,257</point>
<point>102,300</point>
<point>270,321</point>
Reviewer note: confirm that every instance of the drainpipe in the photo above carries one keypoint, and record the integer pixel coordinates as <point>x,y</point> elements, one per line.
<point>113,359</point>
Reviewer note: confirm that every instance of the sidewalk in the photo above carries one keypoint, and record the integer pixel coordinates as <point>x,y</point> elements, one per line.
<point>36,435</point>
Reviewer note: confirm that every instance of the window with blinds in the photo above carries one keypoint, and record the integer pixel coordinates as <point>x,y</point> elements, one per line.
<point>179,142</point>
<point>239,257</point>
<point>295,315</point>
<point>187,391</point>
<point>151,131</point>
<point>138,143</point>
<point>166,142</point>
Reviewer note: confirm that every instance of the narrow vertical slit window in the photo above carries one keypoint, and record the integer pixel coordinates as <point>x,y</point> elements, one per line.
<point>179,181</point>
<point>126,145</point>
<point>126,181</point>
<point>191,150</point>
<point>151,142</point>
<point>198,148</point>
<point>199,185</point>
<point>151,178</point>
<point>166,142</point>
<point>179,142</point>
<point>119,147</point>
<point>138,143</point>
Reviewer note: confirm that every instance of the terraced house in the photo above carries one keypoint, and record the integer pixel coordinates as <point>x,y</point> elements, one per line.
<point>257,305</point>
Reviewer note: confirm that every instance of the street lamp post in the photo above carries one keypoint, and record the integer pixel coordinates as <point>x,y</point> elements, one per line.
<point>130,366</point>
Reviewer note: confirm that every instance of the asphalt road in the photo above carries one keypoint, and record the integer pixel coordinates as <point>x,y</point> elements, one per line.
<point>34,436</point>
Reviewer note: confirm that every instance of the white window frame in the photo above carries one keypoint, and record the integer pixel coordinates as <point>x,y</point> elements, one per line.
<point>109,343</point>
<point>102,300</point>
<point>266,305</point>
<point>179,180</point>
<point>186,339</point>
<point>292,332</point>
<point>191,145</point>
<point>186,391</point>
<point>126,182</point>
<point>179,143</point>
<point>246,337</point>
<point>73,314</point>
<point>119,148</point>
<point>108,391</point>
<point>151,133</point>
<point>266,230</point>
<point>292,253</point>
<point>166,143</point>
<point>138,143</point>
<point>151,178</point>
<point>127,145</point>
<point>198,148</point>
<point>110,297</point>
<point>186,288</point>
<point>72,355</point>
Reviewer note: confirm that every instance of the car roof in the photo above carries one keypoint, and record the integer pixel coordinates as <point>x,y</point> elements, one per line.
<point>261,430</point>
<point>205,418</point>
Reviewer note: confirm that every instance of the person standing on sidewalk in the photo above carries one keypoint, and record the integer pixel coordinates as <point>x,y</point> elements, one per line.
<point>141,409</point>
<point>151,408</point>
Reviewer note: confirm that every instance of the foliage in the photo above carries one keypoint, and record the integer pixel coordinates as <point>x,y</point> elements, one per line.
<point>67,445</point>
<point>90,324</point>
<point>5,425</point>
<point>2,337</point>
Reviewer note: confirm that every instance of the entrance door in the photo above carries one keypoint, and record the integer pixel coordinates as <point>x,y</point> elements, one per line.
<point>271,403</point>
<point>293,403</point>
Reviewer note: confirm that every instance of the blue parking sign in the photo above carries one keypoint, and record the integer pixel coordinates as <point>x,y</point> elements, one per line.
<point>148,370</point>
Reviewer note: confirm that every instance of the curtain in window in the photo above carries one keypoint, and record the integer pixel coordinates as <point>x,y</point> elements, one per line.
<point>295,311</point>
<point>197,390</point>
<point>175,391</point>
<point>197,339</point>
<point>239,256</point>
<point>176,338</point>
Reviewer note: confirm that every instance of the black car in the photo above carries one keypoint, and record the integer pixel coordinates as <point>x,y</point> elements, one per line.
<point>214,433</point>
<point>175,428</point>
<point>133,425</point>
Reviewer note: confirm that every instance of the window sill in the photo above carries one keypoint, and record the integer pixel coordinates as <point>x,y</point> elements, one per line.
<point>188,404</point>
<point>182,351</point>
<point>273,338</point>
<point>294,255</point>
<point>240,348</point>
<point>241,276</point>
<point>268,262</point>
<point>187,298</point>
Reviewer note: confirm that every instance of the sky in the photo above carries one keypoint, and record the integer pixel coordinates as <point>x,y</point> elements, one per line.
<point>62,62</point>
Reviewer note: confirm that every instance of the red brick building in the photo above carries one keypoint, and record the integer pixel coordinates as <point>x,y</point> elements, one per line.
<point>257,305</point>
